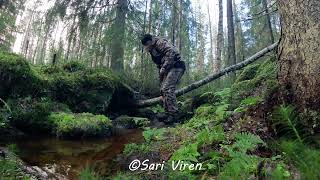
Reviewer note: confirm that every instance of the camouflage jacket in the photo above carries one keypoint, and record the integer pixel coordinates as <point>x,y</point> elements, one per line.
<point>164,55</point>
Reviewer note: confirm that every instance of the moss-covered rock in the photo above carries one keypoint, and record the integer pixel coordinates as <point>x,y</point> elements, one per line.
<point>31,115</point>
<point>131,122</point>
<point>69,125</point>
<point>17,78</point>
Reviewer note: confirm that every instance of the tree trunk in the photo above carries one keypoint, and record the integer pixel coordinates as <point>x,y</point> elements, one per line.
<point>211,39</point>
<point>268,20</point>
<point>220,37</point>
<point>298,71</point>
<point>231,40</point>
<point>211,77</point>
<point>239,36</point>
<point>118,29</point>
<point>174,22</point>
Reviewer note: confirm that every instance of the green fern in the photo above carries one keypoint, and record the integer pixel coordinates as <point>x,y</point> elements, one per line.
<point>241,165</point>
<point>286,118</point>
<point>187,153</point>
<point>246,141</point>
<point>208,136</point>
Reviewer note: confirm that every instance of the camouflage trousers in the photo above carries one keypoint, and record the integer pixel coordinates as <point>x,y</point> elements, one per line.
<point>168,87</point>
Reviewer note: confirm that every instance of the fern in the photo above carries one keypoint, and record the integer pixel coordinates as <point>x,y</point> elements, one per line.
<point>187,153</point>
<point>208,136</point>
<point>286,117</point>
<point>241,164</point>
<point>246,141</point>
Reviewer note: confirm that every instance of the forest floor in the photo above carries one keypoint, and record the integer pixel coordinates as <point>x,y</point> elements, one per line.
<point>239,132</point>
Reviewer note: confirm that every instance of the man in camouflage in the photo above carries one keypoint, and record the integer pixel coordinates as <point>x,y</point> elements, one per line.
<point>171,69</point>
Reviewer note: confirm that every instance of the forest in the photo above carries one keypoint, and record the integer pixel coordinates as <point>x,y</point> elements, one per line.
<point>87,90</point>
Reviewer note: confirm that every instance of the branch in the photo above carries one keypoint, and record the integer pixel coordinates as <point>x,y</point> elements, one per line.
<point>206,80</point>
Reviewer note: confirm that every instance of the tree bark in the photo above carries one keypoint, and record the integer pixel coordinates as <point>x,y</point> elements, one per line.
<point>298,53</point>
<point>117,49</point>
<point>206,80</point>
<point>268,20</point>
<point>220,37</point>
<point>231,39</point>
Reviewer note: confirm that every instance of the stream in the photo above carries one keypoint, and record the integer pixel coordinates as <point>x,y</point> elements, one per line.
<point>69,157</point>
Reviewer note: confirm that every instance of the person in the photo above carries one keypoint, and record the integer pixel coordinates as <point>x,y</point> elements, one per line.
<point>171,68</point>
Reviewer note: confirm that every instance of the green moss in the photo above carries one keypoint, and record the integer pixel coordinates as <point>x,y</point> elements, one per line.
<point>69,125</point>
<point>17,78</point>
<point>136,148</point>
<point>131,122</point>
<point>31,115</point>
<point>248,73</point>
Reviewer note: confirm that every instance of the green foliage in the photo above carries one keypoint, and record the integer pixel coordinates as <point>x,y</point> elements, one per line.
<point>157,109</point>
<point>8,169</point>
<point>187,153</point>
<point>131,122</point>
<point>89,174</point>
<point>305,158</point>
<point>208,136</point>
<point>17,77</point>
<point>153,134</point>
<point>248,72</point>
<point>248,102</point>
<point>31,115</point>
<point>285,118</point>
<point>134,148</point>
<point>281,172</point>
<point>241,165</point>
<point>80,125</point>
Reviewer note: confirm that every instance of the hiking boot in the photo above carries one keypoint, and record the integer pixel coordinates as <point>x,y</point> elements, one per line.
<point>171,119</point>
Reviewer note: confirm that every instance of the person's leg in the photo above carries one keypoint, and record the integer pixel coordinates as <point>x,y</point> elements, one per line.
<point>168,88</point>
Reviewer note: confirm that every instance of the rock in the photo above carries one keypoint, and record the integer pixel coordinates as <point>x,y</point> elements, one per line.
<point>128,122</point>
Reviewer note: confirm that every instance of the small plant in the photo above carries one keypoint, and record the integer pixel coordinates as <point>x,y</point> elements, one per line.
<point>153,134</point>
<point>247,102</point>
<point>241,165</point>
<point>136,148</point>
<point>187,153</point>
<point>89,174</point>
<point>285,118</point>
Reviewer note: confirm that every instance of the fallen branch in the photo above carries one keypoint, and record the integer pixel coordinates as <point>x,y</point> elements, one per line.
<point>195,85</point>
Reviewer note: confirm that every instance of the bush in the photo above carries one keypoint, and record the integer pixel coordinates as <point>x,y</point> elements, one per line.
<point>69,125</point>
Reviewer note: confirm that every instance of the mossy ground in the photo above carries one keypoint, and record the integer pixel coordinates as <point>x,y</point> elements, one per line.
<point>31,96</point>
<point>229,134</point>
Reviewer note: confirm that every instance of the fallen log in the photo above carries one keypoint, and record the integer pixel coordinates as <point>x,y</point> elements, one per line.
<point>197,84</point>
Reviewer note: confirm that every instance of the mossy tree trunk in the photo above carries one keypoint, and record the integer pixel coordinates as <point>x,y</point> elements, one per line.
<point>299,51</point>
<point>118,39</point>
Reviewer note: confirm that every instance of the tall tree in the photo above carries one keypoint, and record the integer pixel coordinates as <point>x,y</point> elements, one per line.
<point>231,39</point>
<point>220,38</point>
<point>268,20</point>
<point>298,52</point>
<point>239,39</point>
<point>119,36</point>
<point>210,55</point>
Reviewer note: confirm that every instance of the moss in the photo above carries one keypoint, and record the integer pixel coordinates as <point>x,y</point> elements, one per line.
<point>248,73</point>
<point>131,122</point>
<point>17,78</point>
<point>31,115</point>
<point>136,148</point>
<point>68,125</point>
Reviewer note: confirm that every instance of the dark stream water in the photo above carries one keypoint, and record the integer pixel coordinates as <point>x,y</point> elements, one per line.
<point>69,157</point>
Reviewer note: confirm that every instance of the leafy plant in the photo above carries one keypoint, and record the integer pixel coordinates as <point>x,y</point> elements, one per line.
<point>153,134</point>
<point>208,136</point>
<point>247,102</point>
<point>187,153</point>
<point>241,164</point>
<point>136,148</point>
<point>285,118</point>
